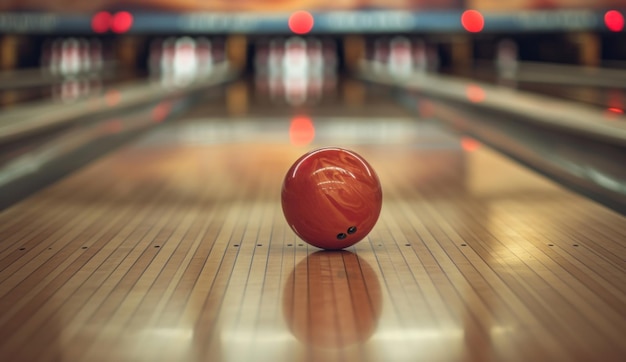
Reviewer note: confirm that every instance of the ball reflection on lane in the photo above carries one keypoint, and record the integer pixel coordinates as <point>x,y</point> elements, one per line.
<point>332,299</point>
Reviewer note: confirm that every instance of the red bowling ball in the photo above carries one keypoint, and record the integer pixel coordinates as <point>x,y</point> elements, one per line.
<point>331,198</point>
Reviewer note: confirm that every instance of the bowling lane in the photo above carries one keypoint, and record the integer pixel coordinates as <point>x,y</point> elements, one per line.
<point>601,88</point>
<point>60,60</point>
<point>65,90</point>
<point>175,248</point>
<point>609,98</point>
<point>73,68</point>
<point>612,99</point>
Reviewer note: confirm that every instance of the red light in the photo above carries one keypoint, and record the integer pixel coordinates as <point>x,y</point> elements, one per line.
<point>100,22</point>
<point>301,22</point>
<point>112,97</point>
<point>301,131</point>
<point>472,21</point>
<point>469,144</point>
<point>122,22</point>
<point>614,113</point>
<point>161,111</point>
<point>614,20</point>
<point>475,93</point>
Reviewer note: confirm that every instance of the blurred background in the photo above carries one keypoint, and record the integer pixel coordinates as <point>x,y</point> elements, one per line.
<point>472,38</point>
<point>104,57</point>
<point>75,36</point>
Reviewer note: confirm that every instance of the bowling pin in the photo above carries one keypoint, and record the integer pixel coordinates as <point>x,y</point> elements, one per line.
<point>507,59</point>
<point>84,56</point>
<point>55,57</point>
<point>295,59</point>
<point>329,55</point>
<point>167,60</point>
<point>296,67</point>
<point>70,57</point>
<point>380,54</point>
<point>275,56</point>
<point>420,60</point>
<point>315,57</point>
<point>204,56</point>
<point>185,63</point>
<point>96,56</point>
<point>400,56</point>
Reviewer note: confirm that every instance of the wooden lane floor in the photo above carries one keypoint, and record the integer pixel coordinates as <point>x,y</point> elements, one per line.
<point>175,249</point>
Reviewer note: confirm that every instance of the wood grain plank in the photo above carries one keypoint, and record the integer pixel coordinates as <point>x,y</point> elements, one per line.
<point>188,257</point>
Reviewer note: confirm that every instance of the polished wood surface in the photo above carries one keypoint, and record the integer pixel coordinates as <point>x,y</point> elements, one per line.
<point>175,249</point>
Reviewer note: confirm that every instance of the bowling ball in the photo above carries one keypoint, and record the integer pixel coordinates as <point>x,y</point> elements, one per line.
<point>331,198</point>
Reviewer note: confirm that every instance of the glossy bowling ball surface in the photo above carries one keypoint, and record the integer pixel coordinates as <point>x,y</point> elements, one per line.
<point>331,198</point>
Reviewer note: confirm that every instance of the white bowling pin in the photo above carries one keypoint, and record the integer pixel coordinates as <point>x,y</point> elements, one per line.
<point>295,60</point>
<point>400,56</point>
